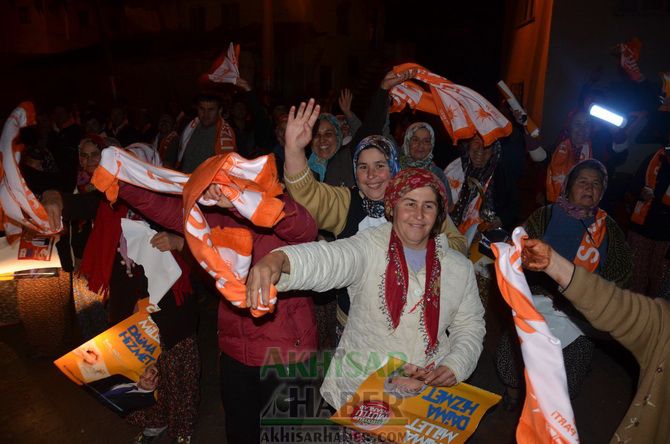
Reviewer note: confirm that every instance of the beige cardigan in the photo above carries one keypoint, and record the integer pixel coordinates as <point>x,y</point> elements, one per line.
<point>642,325</point>
<point>359,263</point>
<point>329,206</point>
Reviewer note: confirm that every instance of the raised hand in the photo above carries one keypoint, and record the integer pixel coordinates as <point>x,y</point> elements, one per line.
<point>392,79</point>
<point>345,99</point>
<point>299,126</point>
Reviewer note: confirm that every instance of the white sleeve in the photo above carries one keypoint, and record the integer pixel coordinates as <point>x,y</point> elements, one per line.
<point>466,332</point>
<point>322,266</point>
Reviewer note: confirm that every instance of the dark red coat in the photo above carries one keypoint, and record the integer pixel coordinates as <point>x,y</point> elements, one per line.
<point>291,329</point>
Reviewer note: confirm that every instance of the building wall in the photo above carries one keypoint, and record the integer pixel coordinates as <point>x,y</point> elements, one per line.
<point>524,71</point>
<point>159,48</point>
<point>48,27</point>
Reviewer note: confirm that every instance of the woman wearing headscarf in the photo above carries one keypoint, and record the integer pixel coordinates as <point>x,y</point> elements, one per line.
<point>579,230</point>
<point>417,150</point>
<point>330,161</point>
<point>423,287</point>
<point>340,210</point>
<point>471,177</point>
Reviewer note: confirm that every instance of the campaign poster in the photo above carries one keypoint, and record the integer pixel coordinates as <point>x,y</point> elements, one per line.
<point>398,408</point>
<point>119,365</point>
<point>35,247</point>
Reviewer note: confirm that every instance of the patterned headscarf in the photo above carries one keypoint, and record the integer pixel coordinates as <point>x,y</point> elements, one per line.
<point>375,208</point>
<point>396,279</point>
<point>383,144</point>
<point>406,160</point>
<point>317,164</point>
<point>577,211</point>
<point>408,180</point>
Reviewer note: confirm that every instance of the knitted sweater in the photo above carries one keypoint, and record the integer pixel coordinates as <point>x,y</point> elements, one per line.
<point>642,325</point>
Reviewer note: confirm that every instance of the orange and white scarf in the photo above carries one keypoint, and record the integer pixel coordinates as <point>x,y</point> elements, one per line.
<point>161,145</point>
<point>225,253</point>
<point>19,204</point>
<point>463,111</point>
<point>456,177</point>
<point>224,143</point>
<point>562,161</point>
<point>588,255</point>
<point>225,68</point>
<point>547,414</point>
<point>642,208</point>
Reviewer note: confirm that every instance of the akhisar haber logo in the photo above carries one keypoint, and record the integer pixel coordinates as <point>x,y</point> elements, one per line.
<point>371,415</point>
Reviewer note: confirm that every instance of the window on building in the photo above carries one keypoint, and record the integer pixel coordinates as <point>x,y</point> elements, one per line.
<point>84,18</point>
<point>353,66</point>
<point>53,7</point>
<point>230,16</point>
<point>524,12</point>
<point>325,80</point>
<point>517,90</point>
<point>342,13</point>
<point>24,15</point>
<point>642,7</point>
<point>197,18</point>
<point>114,23</point>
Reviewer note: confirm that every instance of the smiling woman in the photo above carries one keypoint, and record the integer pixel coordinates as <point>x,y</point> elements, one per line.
<point>424,289</point>
<point>345,211</point>
<point>417,149</point>
<point>582,232</point>
<point>330,161</point>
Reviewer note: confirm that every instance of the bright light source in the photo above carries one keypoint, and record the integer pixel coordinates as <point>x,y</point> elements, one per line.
<point>607,115</point>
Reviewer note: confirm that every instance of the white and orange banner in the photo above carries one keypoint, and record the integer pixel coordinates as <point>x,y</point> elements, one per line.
<point>464,112</point>
<point>547,415</point>
<point>20,207</point>
<point>225,253</point>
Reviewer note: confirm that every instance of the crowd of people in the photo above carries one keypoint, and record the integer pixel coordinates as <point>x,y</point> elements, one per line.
<point>376,225</point>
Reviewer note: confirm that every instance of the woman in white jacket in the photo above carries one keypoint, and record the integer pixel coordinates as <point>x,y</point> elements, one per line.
<point>407,287</point>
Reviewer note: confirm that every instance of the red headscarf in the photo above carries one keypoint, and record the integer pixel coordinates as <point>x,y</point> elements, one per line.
<point>396,277</point>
